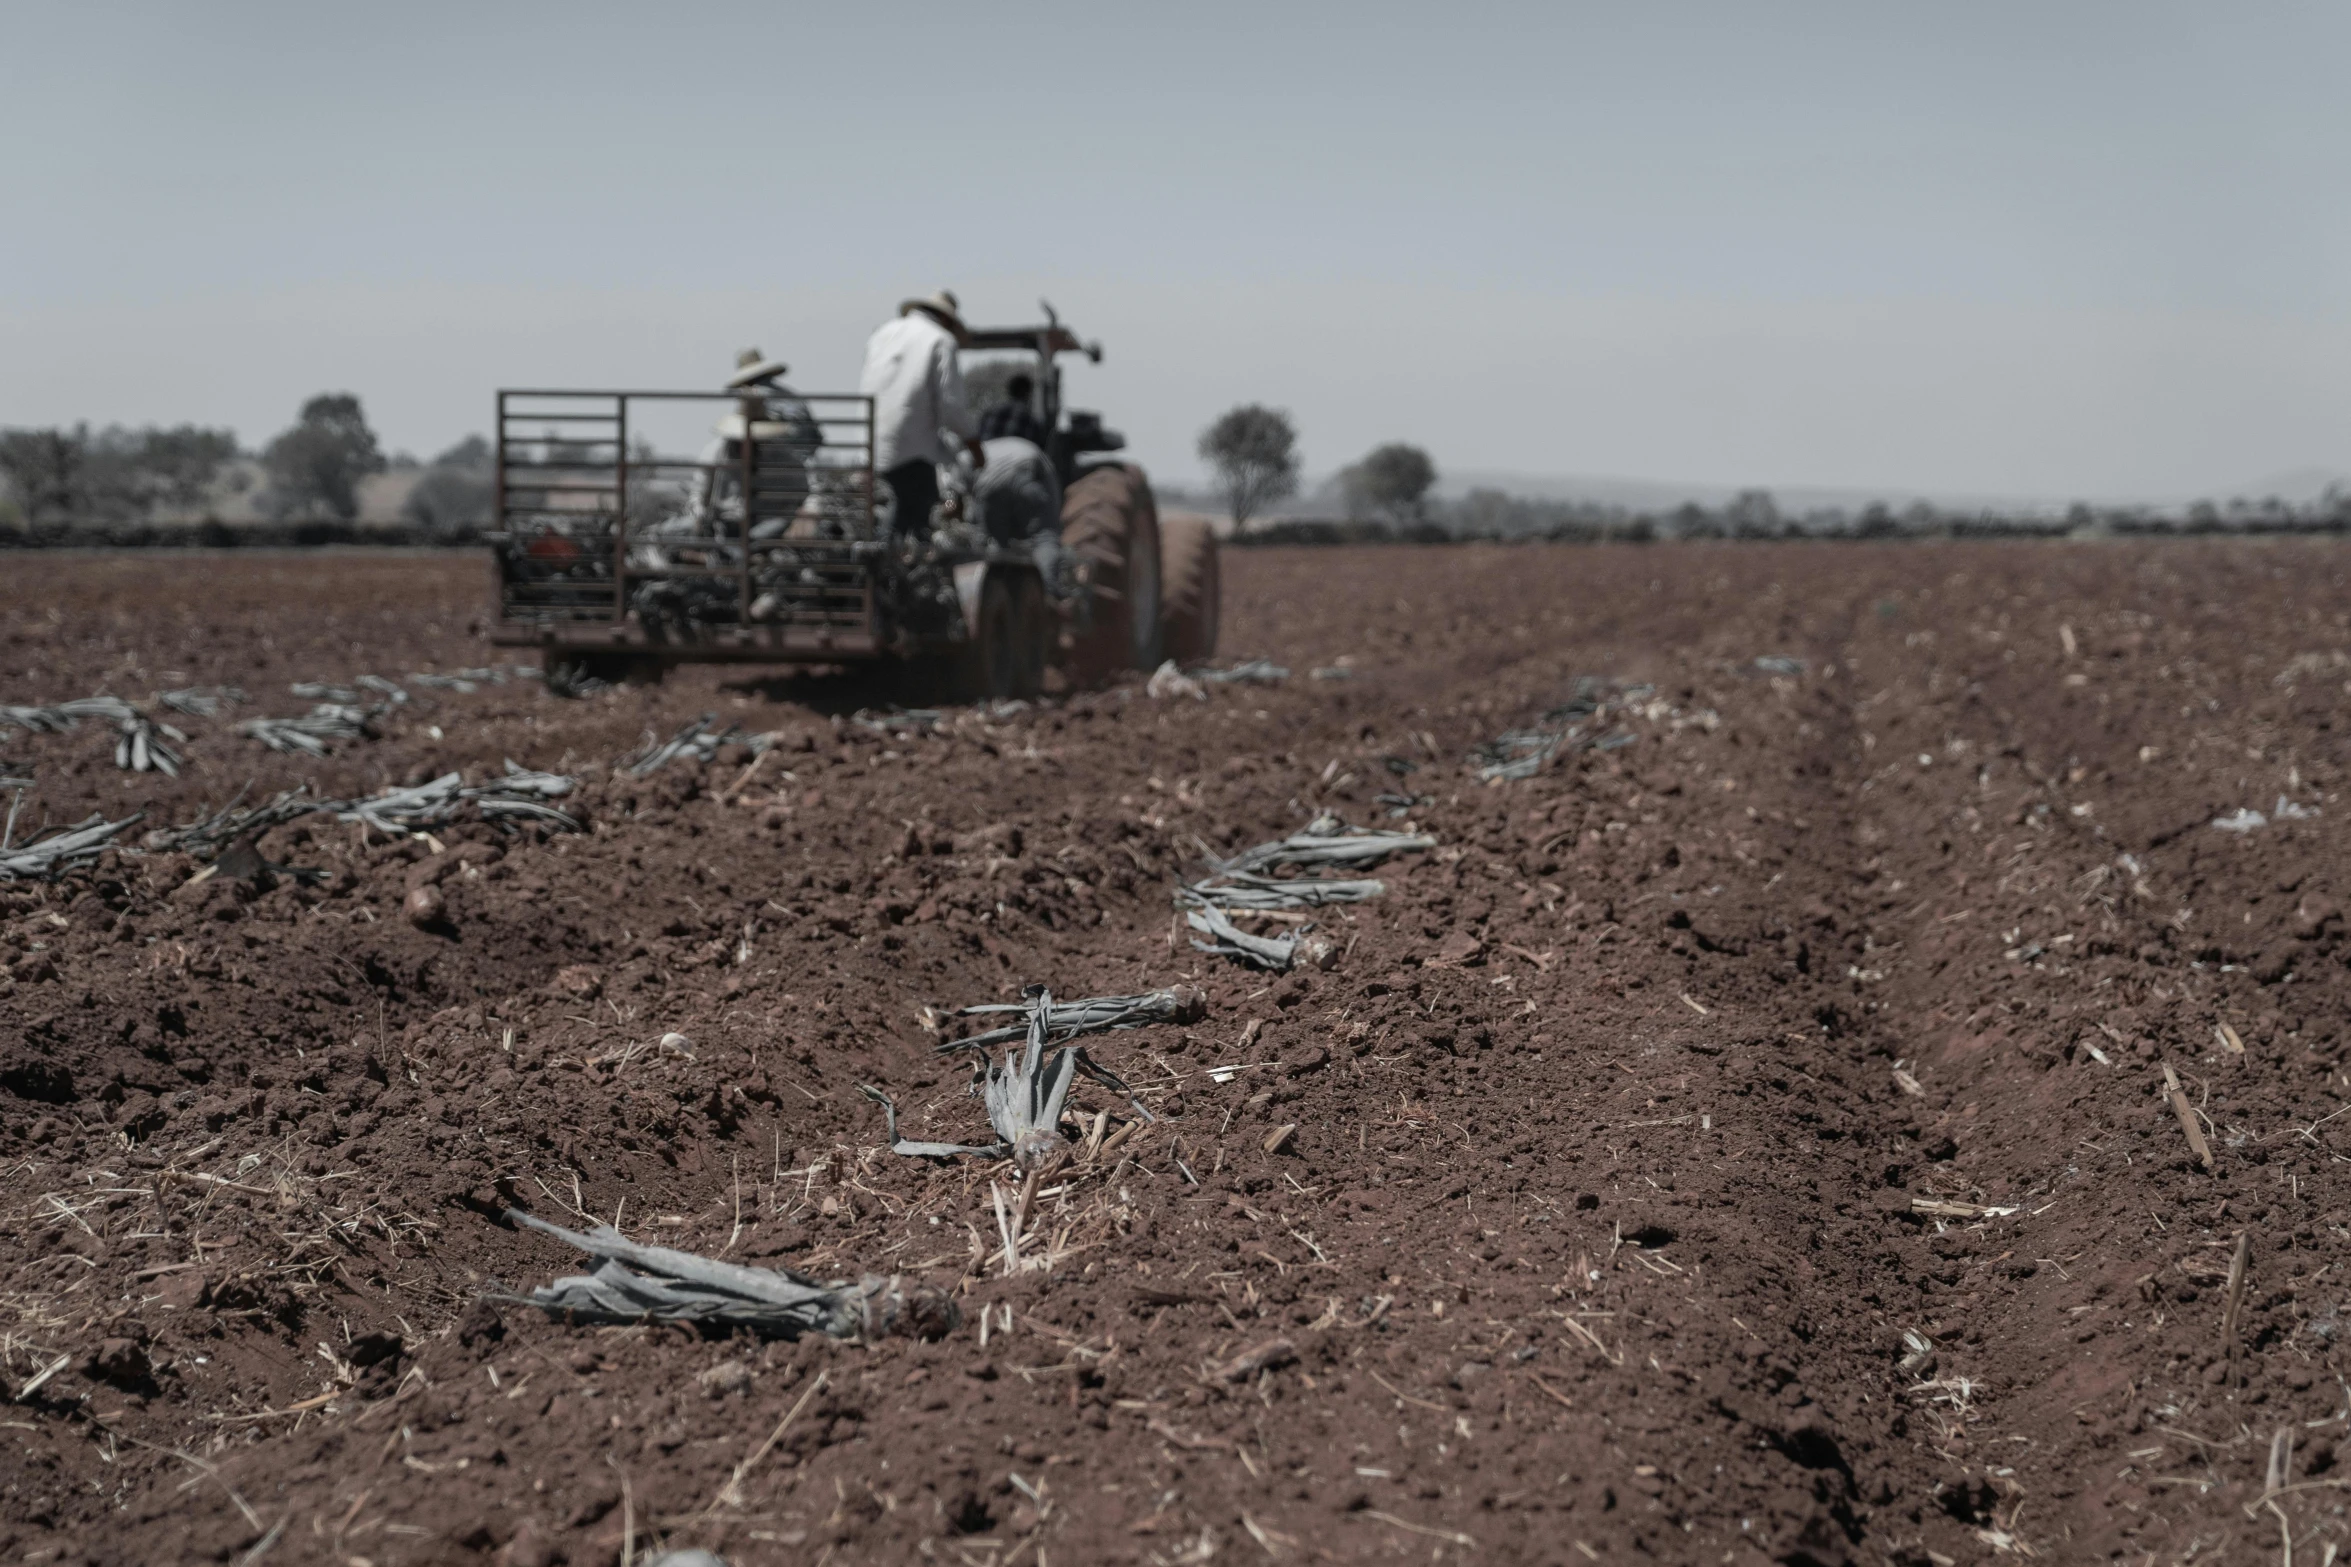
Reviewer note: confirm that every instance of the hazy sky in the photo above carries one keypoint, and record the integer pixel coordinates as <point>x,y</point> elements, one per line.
<point>2036,249</point>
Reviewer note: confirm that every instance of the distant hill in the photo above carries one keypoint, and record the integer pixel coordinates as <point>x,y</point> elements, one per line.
<point>1321,497</point>
<point>2300,487</point>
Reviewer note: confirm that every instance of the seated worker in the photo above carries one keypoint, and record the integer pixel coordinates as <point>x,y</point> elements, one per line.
<point>784,438</point>
<point>1018,497</point>
<point>1016,415</point>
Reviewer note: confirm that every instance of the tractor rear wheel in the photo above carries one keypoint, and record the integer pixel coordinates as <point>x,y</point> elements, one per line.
<point>1110,521</point>
<point>1190,590</point>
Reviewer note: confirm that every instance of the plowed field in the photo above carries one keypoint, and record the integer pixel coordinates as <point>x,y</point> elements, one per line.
<point>1746,1137</point>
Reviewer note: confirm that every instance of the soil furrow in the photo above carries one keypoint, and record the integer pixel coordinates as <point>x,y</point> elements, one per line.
<point>1583,1208</point>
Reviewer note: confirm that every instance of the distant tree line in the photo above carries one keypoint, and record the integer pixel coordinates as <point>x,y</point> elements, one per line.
<point>1388,495</point>
<point>1493,515</point>
<point>166,485</point>
<point>111,475</point>
<point>157,484</point>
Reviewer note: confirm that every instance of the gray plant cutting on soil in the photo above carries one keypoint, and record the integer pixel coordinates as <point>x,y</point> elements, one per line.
<point>48,856</point>
<point>1518,754</point>
<point>141,748</point>
<point>356,691</point>
<point>1327,841</point>
<point>1095,1015</point>
<point>1277,954</point>
<point>65,715</point>
<point>633,1283</point>
<point>316,732</point>
<point>1251,672</point>
<point>1241,890</point>
<point>1025,1095</point>
<point>519,792</point>
<point>698,740</point>
<point>208,835</point>
<point>1239,886</point>
<point>202,701</point>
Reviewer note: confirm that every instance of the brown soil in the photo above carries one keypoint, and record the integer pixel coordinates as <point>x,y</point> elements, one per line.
<point>1601,1228</point>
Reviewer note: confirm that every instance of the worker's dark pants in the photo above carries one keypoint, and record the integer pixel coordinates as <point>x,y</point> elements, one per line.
<point>916,484</point>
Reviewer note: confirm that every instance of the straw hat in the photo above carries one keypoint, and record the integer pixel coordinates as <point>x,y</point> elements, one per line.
<point>942,307</point>
<point>752,368</point>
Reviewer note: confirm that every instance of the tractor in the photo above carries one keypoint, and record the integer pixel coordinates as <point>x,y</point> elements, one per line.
<point>771,545</point>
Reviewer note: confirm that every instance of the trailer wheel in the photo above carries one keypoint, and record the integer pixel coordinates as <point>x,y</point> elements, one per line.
<point>1110,521</point>
<point>1191,590</point>
<point>1032,632</point>
<point>987,668</point>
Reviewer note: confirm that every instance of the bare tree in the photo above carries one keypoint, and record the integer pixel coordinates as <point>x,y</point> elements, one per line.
<point>317,465</point>
<point>44,468</point>
<point>1254,453</point>
<point>1752,514</point>
<point>176,467</point>
<point>453,497</point>
<point>1394,478</point>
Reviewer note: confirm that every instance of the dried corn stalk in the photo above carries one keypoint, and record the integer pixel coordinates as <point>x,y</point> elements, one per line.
<point>315,732</point>
<point>1254,672</point>
<point>141,748</point>
<point>396,812</point>
<point>573,680</point>
<point>206,838</point>
<point>1275,953</point>
<point>16,788</point>
<point>109,709</point>
<point>1518,753</point>
<point>699,739</point>
<point>40,720</point>
<point>1095,1015</point>
<point>495,808</point>
<point>921,1150</point>
<point>463,680</point>
<point>1241,890</point>
<point>899,720</point>
<point>1025,1096</point>
<point>524,781</point>
<point>633,1283</point>
<point>321,691</point>
<point>519,793</point>
<point>202,701</point>
<point>1238,887</point>
<point>65,715</point>
<point>1168,681</point>
<point>1521,753</point>
<point>1327,841</point>
<point>48,856</point>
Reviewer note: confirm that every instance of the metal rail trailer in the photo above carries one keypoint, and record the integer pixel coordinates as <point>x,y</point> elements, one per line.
<point>615,560</point>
